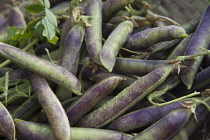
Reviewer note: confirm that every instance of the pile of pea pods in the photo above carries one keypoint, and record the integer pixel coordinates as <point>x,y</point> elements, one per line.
<point>123,73</point>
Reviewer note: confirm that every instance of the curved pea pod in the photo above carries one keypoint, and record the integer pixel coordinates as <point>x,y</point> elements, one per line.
<point>125,99</point>
<point>70,56</point>
<point>166,127</point>
<point>17,17</point>
<point>192,125</point>
<point>7,126</point>
<point>199,40</point>
<point>93,34</point>
<point>38,131</point>
<point>111,7</point>
<point>91,97</point>
<point>34,131</point>
<point>152,36</point>
<point>143,117</point>
<point>52,107</point>
<point>43,67</point>
<point>113,44</point>
<point>137,66</point>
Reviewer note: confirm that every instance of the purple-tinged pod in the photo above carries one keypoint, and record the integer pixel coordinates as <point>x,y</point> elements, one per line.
<point>128,80</point>
<point>111,7</point>
<point>137,66</point>
<point>4,26</point>
<point>51,105</point>
<point>143,117</point>
<point>149,37</point>
<point>180,48</point>
<point>38,131</point>
<point>91,97</point>
<point>60,9</point>
<point>7,126</point>
<point>70,56</point>
<point>43,67</point>
<point>116,39</point>
<point>192,125</point>
<point>166,127</point>
<point>93,34</point>
<point>125,99</point>
<point>199,40</point>
<point>17,17</point>
<point>34,131</point>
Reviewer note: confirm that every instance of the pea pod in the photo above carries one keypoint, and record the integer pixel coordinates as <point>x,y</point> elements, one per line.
<point>200,40</point>
<point>111,7</point>
<point>52,107</point>
<point>148,37</point>
<point>70,56</point>
<point>7,126</point>
<point>16,17</point>
<point>113,44</point>
<point>125,99</point>
<point>91,97</point>
<point>93,35</point>
<point>43,67</point>
<point>143,117</point>
<point>37,131</point>
<point>166,127</point>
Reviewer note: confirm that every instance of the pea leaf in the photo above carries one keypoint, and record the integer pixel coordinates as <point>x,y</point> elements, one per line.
<point>35,8</point>
<point>51,17</point>
<point>54,40</point>
<point>46,3</point>
<point>49,29</point>
<point>39,29</point>
<point>32,24</point>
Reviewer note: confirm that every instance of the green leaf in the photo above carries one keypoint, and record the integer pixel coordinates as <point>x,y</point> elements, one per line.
<point>46,3</point>
<point>39,28</point>
<point>54,40</point>
<point>32,24</point>
<point>49,29</point>
<point>35,8</point>
<point>51,17</point>
<point>75,3</point>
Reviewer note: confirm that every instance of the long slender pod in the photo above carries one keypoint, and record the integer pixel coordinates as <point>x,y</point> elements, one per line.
<point>70,56</point>
<point>91,97</point>
<point>43,67</point>
<point>113,44</point>
<point>111,7</point>
<point>192,124</point>
<point>93,34</point>
<point>125,99</point>
<point>137,66</point>
<point>152,36</point>
<point>52,107</point>
<point>38,131</point>
<point>143,117</point>
<point>200,40</point>
<point>165,127</point>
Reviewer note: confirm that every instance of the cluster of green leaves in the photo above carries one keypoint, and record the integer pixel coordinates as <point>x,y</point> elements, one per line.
<point>44,27</point>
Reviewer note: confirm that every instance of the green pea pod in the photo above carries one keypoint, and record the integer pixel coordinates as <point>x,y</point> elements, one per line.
<point>113,44</point>
<point>91,97</point>
<point>93,35</point>
<point>126,98</point>
<point>199,40</point>
<point>111,7</point>
<point>7,126</point>
<point>166,127</point>
<point>43,67</point>
<point>38,131</point>
<point>149,37</point>
<point>52,107</point>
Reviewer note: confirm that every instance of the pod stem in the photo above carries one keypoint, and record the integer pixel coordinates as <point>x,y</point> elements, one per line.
<point>31,44</point>
<point>151,97</point>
